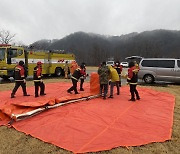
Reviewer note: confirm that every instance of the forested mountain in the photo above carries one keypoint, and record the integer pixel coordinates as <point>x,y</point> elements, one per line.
<point>94,48</point>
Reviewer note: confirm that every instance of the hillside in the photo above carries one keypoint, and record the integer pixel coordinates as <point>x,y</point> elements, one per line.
<point>94,48</point>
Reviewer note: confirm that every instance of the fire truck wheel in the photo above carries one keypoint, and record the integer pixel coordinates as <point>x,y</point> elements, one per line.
<point>5,77</point>
<point>58,72</point>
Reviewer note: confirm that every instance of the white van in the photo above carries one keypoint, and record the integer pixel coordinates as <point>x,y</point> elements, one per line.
<point>110,63</point>
<point>159,69</point>
<point>124,64</point>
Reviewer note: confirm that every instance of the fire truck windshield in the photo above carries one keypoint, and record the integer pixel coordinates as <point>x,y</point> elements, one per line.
<point>12,53</point>
<point>2,54</point>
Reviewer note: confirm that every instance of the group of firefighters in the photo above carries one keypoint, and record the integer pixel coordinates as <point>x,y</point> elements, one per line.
<point>108,75</point>
<point>20,79</point>
<point>111,75</point>
<point>21,74</point>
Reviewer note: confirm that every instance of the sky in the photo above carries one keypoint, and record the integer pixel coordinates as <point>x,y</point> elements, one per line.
<point>33,20</point>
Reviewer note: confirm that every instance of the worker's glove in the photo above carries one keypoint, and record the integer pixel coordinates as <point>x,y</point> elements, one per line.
<point>24,80</point>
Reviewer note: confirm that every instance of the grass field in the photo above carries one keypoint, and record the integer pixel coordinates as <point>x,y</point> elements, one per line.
<point>14,142</point>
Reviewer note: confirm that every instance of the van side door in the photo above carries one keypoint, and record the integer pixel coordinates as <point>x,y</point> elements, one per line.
<point>177,70</point>
<point>147,67</point>
<point>166,70</point>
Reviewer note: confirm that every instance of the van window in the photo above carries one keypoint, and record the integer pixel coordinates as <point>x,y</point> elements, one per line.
<point>166,63</point>
<point>149,63</point>
<point>158,63</point>
<point>178,63</point>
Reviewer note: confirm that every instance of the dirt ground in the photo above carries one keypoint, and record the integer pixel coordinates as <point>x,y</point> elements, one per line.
<point>14,142</point>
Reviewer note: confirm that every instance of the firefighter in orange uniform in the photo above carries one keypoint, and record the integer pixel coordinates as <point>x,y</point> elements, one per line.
<point>132,80</point>
<point>19,79</point>
<point>38,82</point>
<point>82,78</point>
<point>73,66</point>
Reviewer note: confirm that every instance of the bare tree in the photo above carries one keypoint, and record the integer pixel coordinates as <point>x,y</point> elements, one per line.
<point>6,36</point>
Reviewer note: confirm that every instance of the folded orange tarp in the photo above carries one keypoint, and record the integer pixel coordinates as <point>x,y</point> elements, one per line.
<point>99,124</point>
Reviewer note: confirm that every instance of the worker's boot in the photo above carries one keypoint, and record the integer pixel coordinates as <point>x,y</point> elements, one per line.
<point>111,96</point>
<point>36,95</point>
<point>12,95</point>
<point>81,89</point>
<point>69,91</point>
<point>138,98</point>
<point>132,99</point>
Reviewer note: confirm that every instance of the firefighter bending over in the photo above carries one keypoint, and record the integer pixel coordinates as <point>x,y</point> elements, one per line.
<point>38,82</point>
<point>19,79</point>
<point>75,77</point>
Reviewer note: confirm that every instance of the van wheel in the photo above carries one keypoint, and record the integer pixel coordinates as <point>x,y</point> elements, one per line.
<point>58,72</point>
<point>148,79</point>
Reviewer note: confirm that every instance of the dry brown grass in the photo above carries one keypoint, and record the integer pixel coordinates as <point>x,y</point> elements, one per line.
<point>14,142</point>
